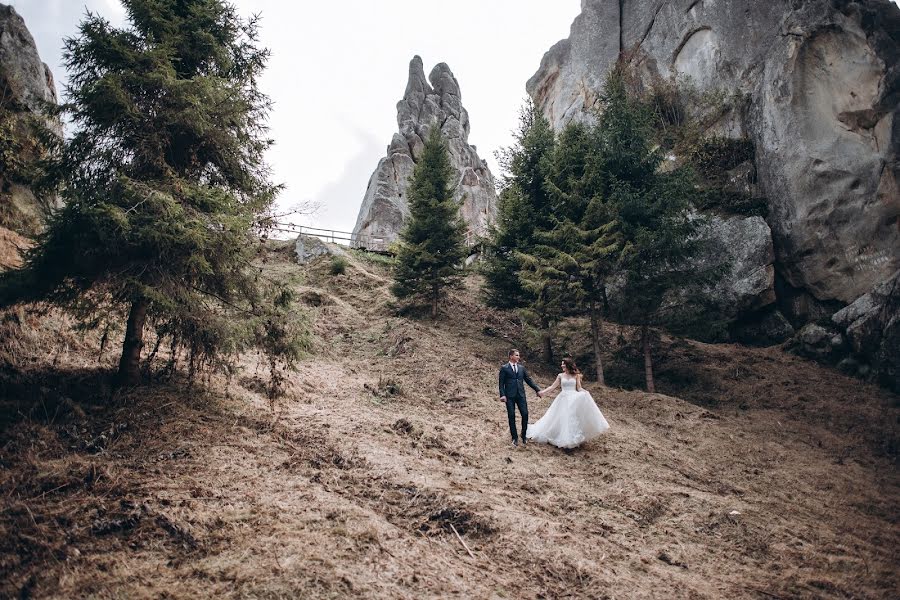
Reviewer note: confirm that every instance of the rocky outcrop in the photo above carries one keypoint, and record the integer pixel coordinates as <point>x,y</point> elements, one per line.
<point>871,326</point>
<point>820,81</point>
<point>749,285</point>
<point>26,87</point>
<point>27,83</point>
<point>427,103</point>
<point>828,135</point>
<point>824,83</point>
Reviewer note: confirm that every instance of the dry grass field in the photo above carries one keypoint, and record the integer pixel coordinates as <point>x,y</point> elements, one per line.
<point>386,470</point>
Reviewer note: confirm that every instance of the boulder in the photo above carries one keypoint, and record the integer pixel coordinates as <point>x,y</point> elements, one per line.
<point>746,288</point>
<point>871,324</point>
<point>426,103</point>
<point>747,244</point>
<point>818,342</point>
<point>308,248</point>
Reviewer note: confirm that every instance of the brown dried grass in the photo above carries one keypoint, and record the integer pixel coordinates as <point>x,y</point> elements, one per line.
<point>779,488</point>
<point>12,245</point>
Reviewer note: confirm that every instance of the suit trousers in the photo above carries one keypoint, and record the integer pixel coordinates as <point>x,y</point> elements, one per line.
<point>511,404</point>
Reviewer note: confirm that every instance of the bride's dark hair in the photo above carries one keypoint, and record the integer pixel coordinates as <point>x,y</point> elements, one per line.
<point>570,366</point>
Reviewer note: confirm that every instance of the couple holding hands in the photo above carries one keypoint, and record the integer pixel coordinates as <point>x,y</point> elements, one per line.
<point>571,420</point>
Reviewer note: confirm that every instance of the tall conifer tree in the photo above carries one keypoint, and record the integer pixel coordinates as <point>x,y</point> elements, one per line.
<point>574,258</point>
<point>163,181</point>
<point>661,232</point>
<point>524,207</point>
<point>432,247</point>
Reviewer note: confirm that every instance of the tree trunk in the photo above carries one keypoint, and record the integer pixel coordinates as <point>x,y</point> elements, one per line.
<point>434,302</point>
<point>547,350</point>
<point>595,340</point>
<point>605,298</point>
<point>648,359</point>
<point>129,364</point>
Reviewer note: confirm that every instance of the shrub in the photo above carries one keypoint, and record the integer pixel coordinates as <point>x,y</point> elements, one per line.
<point>714,156</point>
<point>338,265</point>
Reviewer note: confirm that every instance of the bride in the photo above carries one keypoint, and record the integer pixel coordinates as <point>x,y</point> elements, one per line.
<point>573,418</point>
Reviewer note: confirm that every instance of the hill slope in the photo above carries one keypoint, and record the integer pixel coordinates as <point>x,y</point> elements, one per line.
<point>386,471</point>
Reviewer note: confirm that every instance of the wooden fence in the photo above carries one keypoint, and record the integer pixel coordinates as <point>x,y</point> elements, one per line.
<point>369,243</point>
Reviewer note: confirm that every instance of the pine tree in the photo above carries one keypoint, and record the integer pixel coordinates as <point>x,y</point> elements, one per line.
<point>661,233</point>
<point>524,207</point>
<point>432,246</point>
<point>164,182</point>
<point>573,259</point>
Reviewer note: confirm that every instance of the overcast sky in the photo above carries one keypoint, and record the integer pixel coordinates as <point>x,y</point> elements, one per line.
<point>338,69</point>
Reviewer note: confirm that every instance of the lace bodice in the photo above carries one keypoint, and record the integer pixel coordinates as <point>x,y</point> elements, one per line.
<point>568,385</point>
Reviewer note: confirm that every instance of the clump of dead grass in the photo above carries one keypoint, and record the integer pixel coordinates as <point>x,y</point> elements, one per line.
<point>385,389</point>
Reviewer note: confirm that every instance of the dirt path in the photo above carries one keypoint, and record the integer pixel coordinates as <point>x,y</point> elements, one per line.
<point>390,458</point>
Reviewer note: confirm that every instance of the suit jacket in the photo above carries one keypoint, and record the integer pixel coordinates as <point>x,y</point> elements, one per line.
<point>512,384</point>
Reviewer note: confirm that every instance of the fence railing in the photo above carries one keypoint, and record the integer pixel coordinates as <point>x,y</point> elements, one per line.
<point>345,238</point>
<point>362,241</point>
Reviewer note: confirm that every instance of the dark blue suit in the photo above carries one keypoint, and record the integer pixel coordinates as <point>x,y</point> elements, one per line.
<point>512,385</point>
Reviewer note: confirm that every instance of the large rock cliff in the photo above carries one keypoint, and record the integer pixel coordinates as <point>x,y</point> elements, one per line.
<point>435,101</point>
<point>26,87</point>
<point>822,83</point>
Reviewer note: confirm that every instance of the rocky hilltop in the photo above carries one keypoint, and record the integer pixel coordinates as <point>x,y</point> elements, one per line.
<point>821,80</point>
<point>426,103</point>
<point>26,86</point>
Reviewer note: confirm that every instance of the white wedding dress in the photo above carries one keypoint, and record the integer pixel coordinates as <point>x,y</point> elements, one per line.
<point>571,420</point>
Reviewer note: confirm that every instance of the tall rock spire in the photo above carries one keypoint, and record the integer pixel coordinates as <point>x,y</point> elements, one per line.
<point>426,103</point>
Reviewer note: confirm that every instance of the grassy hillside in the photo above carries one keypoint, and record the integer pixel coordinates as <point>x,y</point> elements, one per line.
<point>386,471</point>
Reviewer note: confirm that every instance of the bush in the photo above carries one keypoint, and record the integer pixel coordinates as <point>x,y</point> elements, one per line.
<point>714,156</point>
<point>667,105</point>
<point>338,265</point>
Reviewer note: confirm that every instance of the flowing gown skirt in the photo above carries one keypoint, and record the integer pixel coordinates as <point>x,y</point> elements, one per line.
<point>571,420</point>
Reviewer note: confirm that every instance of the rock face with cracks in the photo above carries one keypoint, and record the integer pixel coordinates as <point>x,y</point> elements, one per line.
<point>426,103</point>
<point>821,80</point>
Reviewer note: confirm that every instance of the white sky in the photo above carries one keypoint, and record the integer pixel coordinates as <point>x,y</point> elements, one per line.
<point>338,69</point>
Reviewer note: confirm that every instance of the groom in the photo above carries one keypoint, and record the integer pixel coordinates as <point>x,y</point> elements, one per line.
<point>512,392</point>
